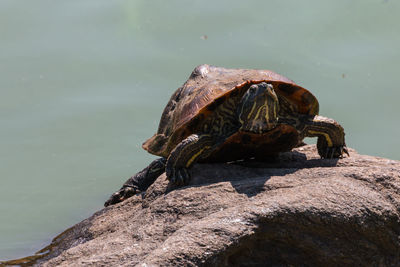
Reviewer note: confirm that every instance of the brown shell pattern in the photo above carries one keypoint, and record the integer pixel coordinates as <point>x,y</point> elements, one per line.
<point>210,85</point>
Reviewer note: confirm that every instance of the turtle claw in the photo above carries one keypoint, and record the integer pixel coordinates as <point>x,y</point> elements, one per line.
<point>121,195</point>
<point>184,173</point>
<point>334,152</point>
<point>179,176</point>
<point>344,149</point>
<point>170,174</point>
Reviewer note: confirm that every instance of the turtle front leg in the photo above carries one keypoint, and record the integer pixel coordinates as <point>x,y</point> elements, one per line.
<point>185,154</point>
<point>139,182</point>
<point>331,143</point>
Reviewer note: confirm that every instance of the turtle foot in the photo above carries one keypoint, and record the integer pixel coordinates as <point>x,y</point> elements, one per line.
<point>179,176</point>
<point>121,195</point>
<point>139,182</point>
<point>333,152</point>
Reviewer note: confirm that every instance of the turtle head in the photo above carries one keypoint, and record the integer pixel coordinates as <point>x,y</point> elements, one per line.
<point>258,108</point>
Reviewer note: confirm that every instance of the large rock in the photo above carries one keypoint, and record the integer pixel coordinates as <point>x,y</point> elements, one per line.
<point>298,210</point>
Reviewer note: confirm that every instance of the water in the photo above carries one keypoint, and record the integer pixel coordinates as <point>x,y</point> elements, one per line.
<point>83,84</point>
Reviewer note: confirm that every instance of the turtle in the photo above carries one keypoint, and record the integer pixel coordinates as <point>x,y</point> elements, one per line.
<point>224,115</point>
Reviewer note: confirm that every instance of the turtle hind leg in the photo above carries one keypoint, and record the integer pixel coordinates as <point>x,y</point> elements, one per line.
<point>331,143</point>
<point>139,182</point>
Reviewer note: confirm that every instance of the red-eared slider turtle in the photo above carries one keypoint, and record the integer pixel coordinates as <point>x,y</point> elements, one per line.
<point>221,115</point>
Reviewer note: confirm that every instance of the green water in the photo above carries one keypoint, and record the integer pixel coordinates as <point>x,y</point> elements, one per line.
<point>83,84</point>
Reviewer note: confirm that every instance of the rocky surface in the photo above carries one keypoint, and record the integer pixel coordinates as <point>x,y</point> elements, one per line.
<point>297,210</point>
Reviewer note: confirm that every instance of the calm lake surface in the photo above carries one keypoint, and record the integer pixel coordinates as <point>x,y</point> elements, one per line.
<point>83,84</point>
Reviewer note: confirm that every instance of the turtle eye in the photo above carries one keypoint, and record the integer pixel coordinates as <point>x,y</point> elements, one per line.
<point>253,89</point>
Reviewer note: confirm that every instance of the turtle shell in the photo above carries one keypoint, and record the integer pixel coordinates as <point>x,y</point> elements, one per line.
<point>207,87</point>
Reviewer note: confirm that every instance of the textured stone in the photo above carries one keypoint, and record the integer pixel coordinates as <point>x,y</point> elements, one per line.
<point>297,210</point>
